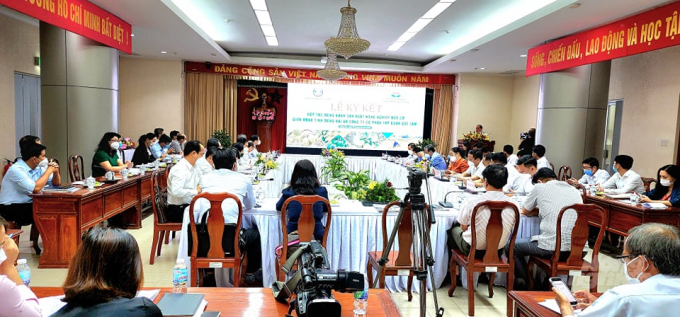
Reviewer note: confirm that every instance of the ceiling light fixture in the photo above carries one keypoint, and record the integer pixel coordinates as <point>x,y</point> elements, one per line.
<point>265,21</point>
<point>331,71</point>
<point>421,23</point>
<point>164,52</point>
<point>348,42</point>
<point>132,34</point>
<point>523,55</point>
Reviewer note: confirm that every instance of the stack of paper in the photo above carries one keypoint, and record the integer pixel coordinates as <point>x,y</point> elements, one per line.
<point>654,205</point>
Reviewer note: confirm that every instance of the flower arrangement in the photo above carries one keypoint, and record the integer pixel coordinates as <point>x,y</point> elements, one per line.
<point>423,165</point>
<point>266,162</point>
<point>263,115</point>
<point>356,184</point>
<point>334,164</point>
<point>473,136</point>
<point>126,143</point>
<point>381,192</point>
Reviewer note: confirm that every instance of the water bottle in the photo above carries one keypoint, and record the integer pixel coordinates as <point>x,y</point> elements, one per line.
<point>361,301</point>
<point>179,277</point>
<point>24,271</point>
<point>259,195</point>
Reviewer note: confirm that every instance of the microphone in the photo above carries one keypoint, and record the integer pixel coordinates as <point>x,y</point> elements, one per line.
<point>446,204</point>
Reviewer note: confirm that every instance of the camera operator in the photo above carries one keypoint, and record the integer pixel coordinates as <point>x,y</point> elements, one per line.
<point>528,142</point>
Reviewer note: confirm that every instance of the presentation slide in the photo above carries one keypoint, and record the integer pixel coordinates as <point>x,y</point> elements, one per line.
<point>354,117</point>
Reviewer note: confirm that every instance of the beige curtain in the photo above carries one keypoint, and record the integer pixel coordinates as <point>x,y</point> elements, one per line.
<point>230,106</point>
<point>204,110</point>
<point>442,117</point>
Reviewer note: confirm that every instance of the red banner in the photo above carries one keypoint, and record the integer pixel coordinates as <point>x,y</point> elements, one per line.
<point>80,17</point>
<point>648,31</point>
<point>295,73</point>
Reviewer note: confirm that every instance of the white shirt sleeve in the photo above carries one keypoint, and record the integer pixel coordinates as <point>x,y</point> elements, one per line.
<point>249,198</point>
<point>611,182</point>
<point>601,177</point>
<point>176,188</point>
<point>532,200</point>
<point>466,212</point>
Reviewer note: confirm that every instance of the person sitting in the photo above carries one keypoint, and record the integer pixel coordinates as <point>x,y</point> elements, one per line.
<point>546,201</point>
<point>304,181</point>
<point>106,158</point>
<point>251,150</point>
<point>28,176</point>
<point>486,162</point>
<point>411,153</point>
<point>419,154</point>
<point>667,190</point>
<point>256,141</point>
<point>104,276</point>
<point>479,163</point>
<point>526,167</point>
<point>651,263</point>
<point>474,159</point>
<point>160,148</point>
<point>436,160</point>
<point>142,153</point>
<point>205,163</point>
<point>17,299</point>
<point>592,174</point>
<point>181,138</point>
<point>225,179</point>
<point>242,138</point>
<point>174,146</point>
<point>624,179</point>
<point>158,132</point>
<point>457,162</point>
<point>512,158</point>
<point>460,235</point>
<point>528,140</point>
<point>538,152</point>
<point>184,181</point>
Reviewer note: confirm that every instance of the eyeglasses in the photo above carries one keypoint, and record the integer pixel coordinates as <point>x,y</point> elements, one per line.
<point>622,258</point>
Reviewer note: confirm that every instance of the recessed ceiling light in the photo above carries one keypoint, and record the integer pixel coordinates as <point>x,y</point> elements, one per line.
<point>132,34</point>
<point>482,68</point>
<point>265,21</point>
<point>523,55</point>
<point>436,10</point>
<point>421,23</point>
<point>268,30</point>
<point>395,46</point>
<point>164,52</point>
<point>259,4</point>
<point>263,17</point>
<point>272,41</point>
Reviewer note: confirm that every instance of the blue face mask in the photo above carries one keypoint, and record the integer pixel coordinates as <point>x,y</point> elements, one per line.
<point>588,172</point>
<point>427,156</point>
<point>614,168</point>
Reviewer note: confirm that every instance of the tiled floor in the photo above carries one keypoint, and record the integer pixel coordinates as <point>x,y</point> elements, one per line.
<point>160,274</point>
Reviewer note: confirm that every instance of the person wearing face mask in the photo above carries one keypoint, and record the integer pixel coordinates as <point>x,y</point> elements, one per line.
<point>160,149</point>
<point>106,156</point>
<point>545,201</point>
<point>418,154</point>
<point>478,160</point>
<point>174,146</point>
<point>29,175</point>
<point>436,160</point>
<point>206,164</point>
<point>651,263</point>
<point>624,179</point>
<point>457,162</point>
<point>184,181</point>
<point>142,153</point>
<point>667,190</point>
<point>17,299</point>
<point>411,153</point>
<point>526,166</point>
<point>256,141</point>
<point>592,174</point>
<point>478,178</point>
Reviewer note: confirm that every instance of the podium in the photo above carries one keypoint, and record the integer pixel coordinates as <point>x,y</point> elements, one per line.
<point>488,144</point>
<point>264,131</point>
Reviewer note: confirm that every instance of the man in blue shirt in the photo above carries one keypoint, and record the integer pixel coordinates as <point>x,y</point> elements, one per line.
<point>29,175</point>
<point>160,148</point>
<point>436,160</point>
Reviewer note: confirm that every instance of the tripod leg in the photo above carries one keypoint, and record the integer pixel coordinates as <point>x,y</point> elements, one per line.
<point>390,242</point>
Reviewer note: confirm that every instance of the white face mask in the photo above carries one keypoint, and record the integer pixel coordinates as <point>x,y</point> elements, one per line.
<point>410,152</point>
<point>3,256</point>
<point>43,163</point>
<point>452,158</point>
<point>632,280</point>
<point>115,145</point>
<point>258,142</point>
<point>665,182</point>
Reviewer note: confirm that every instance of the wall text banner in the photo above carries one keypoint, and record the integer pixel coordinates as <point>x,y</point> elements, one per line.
<point>310,74</point>
<point>648,31</point>
<point>80,17</point>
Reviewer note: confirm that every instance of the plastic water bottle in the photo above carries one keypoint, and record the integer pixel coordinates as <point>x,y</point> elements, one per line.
<point>179,277</point>
<point>259,195</point>
<point>24,271</point>
<point>361,301</point>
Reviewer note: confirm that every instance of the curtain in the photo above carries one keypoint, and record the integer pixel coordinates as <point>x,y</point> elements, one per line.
<point>204,110</point>
<point>249,96</point>
<point>231,106</point>
<point>442,113</point>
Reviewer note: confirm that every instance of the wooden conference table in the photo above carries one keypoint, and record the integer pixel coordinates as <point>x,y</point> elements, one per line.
<point>526,303</point>
<point>622,215</point>
<point>260,301</point>
<point>61,217</point>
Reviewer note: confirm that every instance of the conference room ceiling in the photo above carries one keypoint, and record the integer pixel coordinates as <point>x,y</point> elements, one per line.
<point>466,37</point>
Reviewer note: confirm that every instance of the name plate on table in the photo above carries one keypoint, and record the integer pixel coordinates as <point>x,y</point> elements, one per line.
<point>492,269</point>
<point>403,272</point>
<point>215,265</point>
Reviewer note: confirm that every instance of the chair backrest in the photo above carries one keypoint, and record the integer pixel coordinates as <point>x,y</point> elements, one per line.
<point>159,198</point>
<point>163,181</point>
<point>564,173</point>
<point>647,181</point>
<point>306,222</point>
<point>121,154</point>
<point>215,225</point>
<point>404,232</point>
<point>494,230</point>
<point>579,234</point>
<point>552,166</point>
<point>75,168</point>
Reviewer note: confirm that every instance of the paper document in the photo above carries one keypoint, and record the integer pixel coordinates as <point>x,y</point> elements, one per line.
<point>654,205</point>
<point>150,294</point>
<point>552,305</point>
<point>618,196</point>
<point>201,308</point>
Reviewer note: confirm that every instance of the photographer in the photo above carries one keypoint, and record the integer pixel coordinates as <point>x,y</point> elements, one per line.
<point>528,142</point>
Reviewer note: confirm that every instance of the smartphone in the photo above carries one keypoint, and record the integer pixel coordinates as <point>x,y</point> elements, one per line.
<point>562,288</point>
<point>11,235</point>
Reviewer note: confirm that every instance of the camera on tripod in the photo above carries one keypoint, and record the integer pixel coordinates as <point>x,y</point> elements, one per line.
<point>415,180</point>
<point>523,135</point>
<point>313,282</point>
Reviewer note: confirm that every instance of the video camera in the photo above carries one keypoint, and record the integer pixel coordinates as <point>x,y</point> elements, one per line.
<point>415,180</point>
<point>523,135</point>
<point>313,282</point>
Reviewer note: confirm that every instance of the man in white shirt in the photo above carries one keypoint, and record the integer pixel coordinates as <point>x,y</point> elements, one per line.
<point>624,179</point>
<point>478,178</point>
<point>460,235</point>
<point>501,159</point>
<point>473,160</point>
<point>538,152</point>
<point>256,141</point>
<point>545,201</point>
<point>592,174</point>
<point>522,184</point>
<point>651,263</point>
<point>512,158</point>
<point>184,181</point>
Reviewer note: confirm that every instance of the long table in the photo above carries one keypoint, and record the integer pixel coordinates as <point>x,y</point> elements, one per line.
<point>261,302</point>
<point>61,217</point>
<point>622,215</point>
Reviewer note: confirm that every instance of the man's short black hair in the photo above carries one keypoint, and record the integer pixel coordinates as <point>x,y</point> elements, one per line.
<point>593,162</point>
<point>477,154</point>
<point>478,145</point>
<point>181,137</point>
<point>254,137</point>
<point>224,158</point>
<point>624,160</point>
<point>164,139</point>
<point>211,151</point>
<point>174,133</point>
<point>430,148</point>
<point>213,142</point>
<point>241,138</point>
<point>527,160</point>
<point>27,140</point>
<point>508,149</point>
<point>238,146</point>
<point>489,158</point>
<point>32,150</point>
<point>500,158</point>
<point>539,150</point>
<point>416,149</point>
<point>485,149</point>
<point>496,176</point>
<point>158,131</point>
<point>150,136</point>
<point>544,173</point>
<point>192,146</point>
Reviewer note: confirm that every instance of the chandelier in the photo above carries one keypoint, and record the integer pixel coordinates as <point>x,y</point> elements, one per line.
<point>347,43</point>
<point>331,71</point>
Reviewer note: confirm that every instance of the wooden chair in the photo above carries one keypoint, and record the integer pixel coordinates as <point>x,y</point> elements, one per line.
<point>306,225</point>
<point>398,260</point>
<point>216,257</point>
<point>76,169</point>
<point>33,235</point>
<point>564,173</point>
<point>579,237</point>
<point>491,261</point>
<point>647,181</point>
<point>161,227</point>
<point>552,166</point>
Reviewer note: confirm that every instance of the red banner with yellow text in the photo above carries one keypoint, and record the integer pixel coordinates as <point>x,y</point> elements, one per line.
<point>648,31</point>
<point>310,74</point>
<point>80,17</point>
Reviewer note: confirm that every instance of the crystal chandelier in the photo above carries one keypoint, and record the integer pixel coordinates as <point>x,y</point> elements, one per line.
<point>347,43</point>
<point>331,71</point>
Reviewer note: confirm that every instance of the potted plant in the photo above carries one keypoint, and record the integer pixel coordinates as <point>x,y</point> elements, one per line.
<point>381,192</point>
<point>355,184</point>
<point>223,137</point>
<point>334,165</point>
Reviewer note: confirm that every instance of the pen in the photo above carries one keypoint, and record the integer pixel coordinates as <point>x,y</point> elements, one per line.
<point>12,235</point>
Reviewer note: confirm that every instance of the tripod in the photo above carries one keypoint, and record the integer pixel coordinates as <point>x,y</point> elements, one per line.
<point>422,247</point>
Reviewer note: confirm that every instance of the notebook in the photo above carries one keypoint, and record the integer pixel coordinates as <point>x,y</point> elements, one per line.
<point>172,304</point>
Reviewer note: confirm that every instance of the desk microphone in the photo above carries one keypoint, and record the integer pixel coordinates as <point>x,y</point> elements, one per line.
<point>444,203</point>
